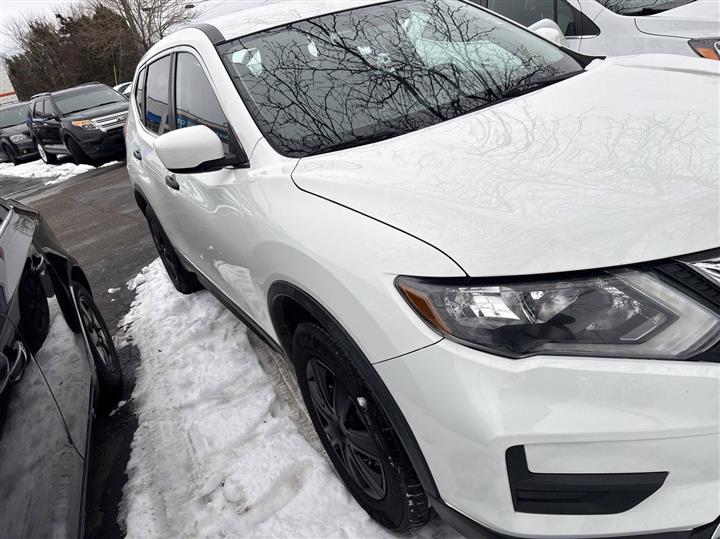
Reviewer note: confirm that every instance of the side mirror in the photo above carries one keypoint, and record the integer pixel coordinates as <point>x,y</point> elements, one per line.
<point>191,149</point>
<point>549,30</point>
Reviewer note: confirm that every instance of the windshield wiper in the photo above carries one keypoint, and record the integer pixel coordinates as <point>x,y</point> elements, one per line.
<point>531,86</point>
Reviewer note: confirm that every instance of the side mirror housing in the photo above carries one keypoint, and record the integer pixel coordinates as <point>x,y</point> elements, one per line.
<point>549,30</point>
<point>192,149</point>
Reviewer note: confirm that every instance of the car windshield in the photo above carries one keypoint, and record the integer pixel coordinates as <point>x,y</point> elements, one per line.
<point>87,98</point>
<point>642,7</point>
<point>367,74</point>
<point>13,115</point>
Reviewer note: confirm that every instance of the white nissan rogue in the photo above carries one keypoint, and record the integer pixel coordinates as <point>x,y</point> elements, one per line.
<point>494,263</point>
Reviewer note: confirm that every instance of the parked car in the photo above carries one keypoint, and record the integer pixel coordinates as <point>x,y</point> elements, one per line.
<point>493,263</point>
<point>15,142</point>
<point>123,88</point>
<point>84,122</point>
<point>56,356</point>
<point>622,27</point>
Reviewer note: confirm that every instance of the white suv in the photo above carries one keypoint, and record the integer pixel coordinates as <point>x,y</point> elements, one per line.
<point>620,27</point>
<point>493,263</point>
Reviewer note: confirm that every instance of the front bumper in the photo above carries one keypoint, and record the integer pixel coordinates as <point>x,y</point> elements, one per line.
<point>572,416</point>
<point>103,144</point>
<point>23,150</point>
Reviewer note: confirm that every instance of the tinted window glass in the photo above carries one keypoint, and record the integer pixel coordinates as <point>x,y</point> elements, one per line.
<point>13,115</point>
<point>195,100</point>
<point>566,18</point>
<point>642,7</point>
<point>85,98</point>
<point>379,71</point>
<point>38,109</point>
<point>157,93</point>
<point>526,12</point>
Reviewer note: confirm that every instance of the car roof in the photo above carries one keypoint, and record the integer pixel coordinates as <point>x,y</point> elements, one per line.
<point>255,19</point>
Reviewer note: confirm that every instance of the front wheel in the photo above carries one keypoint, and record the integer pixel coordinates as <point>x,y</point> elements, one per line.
<point>47,158</point>
<point>183,280</point>
<point>356,433</point>
<point>76,152</point>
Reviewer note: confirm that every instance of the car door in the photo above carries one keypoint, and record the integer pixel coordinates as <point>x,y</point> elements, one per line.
<point>154,120</point>
<point>41,469</point>
<point>214,215</point>
<point>51,120</point>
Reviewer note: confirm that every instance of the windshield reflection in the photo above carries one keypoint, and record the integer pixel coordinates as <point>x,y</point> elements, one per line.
<point>371,73</point>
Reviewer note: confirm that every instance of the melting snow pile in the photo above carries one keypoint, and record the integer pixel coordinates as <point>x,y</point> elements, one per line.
<point>216,452</point>
<point>52,173</point>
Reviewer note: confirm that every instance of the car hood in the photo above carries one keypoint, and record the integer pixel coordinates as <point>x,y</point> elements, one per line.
<point>97,112</point>
<point>615,166</point>
<point>693,20</point>
<point>15,130</point>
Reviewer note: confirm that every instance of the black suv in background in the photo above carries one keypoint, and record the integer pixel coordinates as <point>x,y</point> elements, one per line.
<point>15,142</point>
<point>84,122</point>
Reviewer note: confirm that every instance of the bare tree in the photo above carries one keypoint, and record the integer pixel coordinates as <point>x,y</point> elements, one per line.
<point>151,20</point>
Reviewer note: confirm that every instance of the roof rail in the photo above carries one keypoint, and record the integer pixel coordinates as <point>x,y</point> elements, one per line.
<point>40,95</point>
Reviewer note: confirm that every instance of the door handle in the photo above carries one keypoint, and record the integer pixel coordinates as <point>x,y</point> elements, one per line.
<point>172,182</point>
<point>137,155</point>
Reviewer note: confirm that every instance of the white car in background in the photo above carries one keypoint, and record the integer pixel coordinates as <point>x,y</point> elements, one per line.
<point>493,264</point>
<point>623,27</point>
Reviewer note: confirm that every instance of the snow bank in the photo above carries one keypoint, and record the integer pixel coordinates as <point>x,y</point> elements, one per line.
<point>216,453</point>
<point>51,173</point>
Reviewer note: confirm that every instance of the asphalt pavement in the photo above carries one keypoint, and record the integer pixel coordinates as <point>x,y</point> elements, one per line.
<point>95,217</point>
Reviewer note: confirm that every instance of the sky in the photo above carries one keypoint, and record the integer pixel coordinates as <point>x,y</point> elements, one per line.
<point>10,9</point>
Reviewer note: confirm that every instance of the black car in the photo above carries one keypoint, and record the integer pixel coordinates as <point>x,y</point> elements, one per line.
<point>16,145</point>
<point>56,358</point>
<point>84,122</point>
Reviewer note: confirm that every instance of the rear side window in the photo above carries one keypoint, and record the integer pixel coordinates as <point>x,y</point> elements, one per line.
<point>196,103</point>
<point>157,91</point>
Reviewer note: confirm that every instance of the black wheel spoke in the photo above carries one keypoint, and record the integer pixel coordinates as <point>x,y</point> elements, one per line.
<point>362,442</point>
<point>341,401</point>
<point>317,382</point>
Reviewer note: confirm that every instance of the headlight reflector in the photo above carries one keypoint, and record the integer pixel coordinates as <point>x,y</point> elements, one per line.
<point>85,124</point>
<point>624,313</point>
<point>19,138</point>
<point>706,47</point>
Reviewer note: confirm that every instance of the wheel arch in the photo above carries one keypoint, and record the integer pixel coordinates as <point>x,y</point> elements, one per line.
<point>288,307</point>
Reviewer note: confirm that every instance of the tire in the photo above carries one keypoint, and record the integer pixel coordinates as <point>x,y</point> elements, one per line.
<point>356,433</point>
<point>185,282</point>
<point>7,150</point>
<point>47,158</point>
<point>102,348</point>
<point>76,152</point>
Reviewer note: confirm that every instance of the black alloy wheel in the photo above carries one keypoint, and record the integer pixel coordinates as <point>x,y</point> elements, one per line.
<point>356,433</point>
<point>107,363</point>
<point>183,280</point>
<point>346,428</point>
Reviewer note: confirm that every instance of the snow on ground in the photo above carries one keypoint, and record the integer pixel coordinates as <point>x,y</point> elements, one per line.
<point>217,452</point>
<point>51,173</point>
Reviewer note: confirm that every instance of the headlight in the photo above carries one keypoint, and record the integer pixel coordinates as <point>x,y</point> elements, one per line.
<point>623,313</point>
<point>85,124</point>
<point>19,138</point>
<point>707,47</point>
